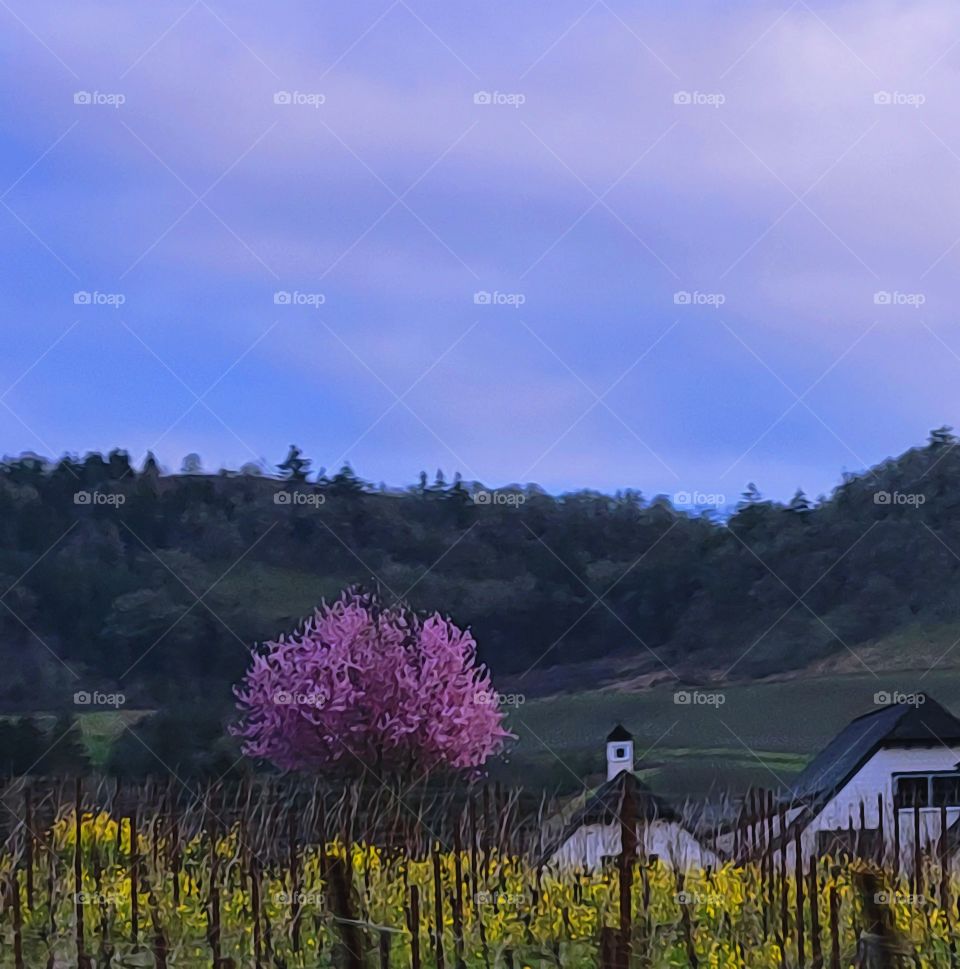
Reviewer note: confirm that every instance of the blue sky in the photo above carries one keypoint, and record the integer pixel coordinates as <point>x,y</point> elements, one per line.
<point>791,166</point>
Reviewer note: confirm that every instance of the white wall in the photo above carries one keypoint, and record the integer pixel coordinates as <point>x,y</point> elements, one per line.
<point>680,849</point>
<point>876,777</point>
<point>671,842</point>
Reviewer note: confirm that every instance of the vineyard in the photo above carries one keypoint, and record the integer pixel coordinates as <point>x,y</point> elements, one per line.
<point>270,876</point>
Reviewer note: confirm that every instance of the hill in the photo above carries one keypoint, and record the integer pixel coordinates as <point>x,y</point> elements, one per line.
<point>156,585</point>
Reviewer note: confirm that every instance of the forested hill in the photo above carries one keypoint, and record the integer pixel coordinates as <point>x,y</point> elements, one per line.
<point>159,583</point>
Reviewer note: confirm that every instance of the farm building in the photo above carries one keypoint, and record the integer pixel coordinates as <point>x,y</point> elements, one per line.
<point>592,835</point>
<point>889,778</point>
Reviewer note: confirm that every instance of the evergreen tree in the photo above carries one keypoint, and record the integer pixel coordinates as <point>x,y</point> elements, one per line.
<point>150,467</point>
<point>191,464</point>
<point>296,467</point>
<point>942,437</point>
<point>800,503</point>
<point>345,483</point>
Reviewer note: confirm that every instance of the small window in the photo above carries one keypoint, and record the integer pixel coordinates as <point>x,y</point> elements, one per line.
<point>927,790</point>
<point>913,791</point>
<point>620,753</point>
<point>946,790</point>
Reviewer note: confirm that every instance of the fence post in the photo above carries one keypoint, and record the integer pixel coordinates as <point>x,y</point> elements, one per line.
<point>82,960</point>
<point>771,872</point>
<point>879,945</point>
<point>457,893</point>
<point>18,924</point>
<point>628,853</point>
<point>944,863</point>
<point>438,906</point>
<point>897,855</point>
<point>134,881</point>
<point>917,858</point>
<point>28,860</point>
<point>798,879</point>
<point>784,896</point>
<point>413,924</point>
<point>213,898</point>
<point>608,947</point>
<point>341,907</point>
<point>816,950</point>
<point>881,847</point>
<point>685,923</point>
<point>255,903</point>
<point>834,928</point>
<point>294,882</point>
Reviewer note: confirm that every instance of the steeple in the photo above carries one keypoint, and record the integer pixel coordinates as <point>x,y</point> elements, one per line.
<point>619,751</point>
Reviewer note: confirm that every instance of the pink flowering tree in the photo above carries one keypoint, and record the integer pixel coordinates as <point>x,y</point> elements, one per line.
<point>367,687</point>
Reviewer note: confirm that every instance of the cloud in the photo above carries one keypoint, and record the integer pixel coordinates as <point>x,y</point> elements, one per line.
<point>799,175</point>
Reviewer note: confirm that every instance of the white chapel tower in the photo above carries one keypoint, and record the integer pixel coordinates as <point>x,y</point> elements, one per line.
<point>619,752</point>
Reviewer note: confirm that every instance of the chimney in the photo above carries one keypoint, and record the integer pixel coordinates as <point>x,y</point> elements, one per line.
<point>619,752</point>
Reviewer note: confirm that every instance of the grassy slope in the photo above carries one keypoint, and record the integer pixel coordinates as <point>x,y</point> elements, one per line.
<point>762,734</point>
<point>99,730</point>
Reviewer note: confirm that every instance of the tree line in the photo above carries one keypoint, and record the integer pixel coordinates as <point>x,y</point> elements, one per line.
<point>157,584</point>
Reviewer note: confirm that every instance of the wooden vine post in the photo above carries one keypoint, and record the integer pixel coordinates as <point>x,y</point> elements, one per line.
<point>628,855</point>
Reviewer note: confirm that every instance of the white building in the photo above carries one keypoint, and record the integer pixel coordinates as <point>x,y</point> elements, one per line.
<point>862,794</point>
<point>592,836</point>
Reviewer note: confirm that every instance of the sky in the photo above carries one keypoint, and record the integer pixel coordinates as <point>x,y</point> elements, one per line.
<point>673,246</point>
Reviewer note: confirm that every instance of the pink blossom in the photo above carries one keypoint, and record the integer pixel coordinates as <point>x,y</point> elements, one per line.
<point>365,686</point>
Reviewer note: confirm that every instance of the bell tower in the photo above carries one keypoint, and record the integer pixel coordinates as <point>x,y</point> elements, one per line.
<point>619,752</point>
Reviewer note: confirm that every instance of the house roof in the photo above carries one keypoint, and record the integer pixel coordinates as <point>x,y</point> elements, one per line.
<point>895,725</point>
<point>604,806</point>
<point>619,733</point>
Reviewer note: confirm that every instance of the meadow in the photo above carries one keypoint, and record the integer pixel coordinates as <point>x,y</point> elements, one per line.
<point>762,734</point>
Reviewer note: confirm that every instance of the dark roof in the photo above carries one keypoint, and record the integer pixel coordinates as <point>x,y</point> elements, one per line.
<point>604,807</point>
<point>619,732</point>
<point>896,725</point>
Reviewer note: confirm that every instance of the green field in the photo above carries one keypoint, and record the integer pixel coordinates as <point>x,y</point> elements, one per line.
<point>100,730</point>
<point>762,733</point>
